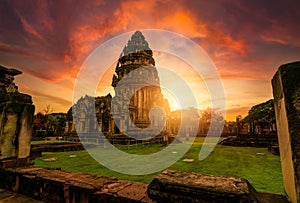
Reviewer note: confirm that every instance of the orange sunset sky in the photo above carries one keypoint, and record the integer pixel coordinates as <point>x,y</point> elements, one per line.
<point>246,40</point>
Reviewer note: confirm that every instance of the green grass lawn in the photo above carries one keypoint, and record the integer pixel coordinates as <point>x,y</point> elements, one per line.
<point>257,165</point>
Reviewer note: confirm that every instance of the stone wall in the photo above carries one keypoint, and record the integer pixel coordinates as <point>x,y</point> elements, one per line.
<point>50,185</point>
<point>286,92</point>
<point>53,185</point>
<point>16,116</point>
<point>248,140</point>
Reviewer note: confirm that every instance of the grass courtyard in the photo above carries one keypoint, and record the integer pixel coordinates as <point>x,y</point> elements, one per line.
<point>257,165</point>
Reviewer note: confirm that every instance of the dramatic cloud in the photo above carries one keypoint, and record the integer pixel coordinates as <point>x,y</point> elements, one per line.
<point>247,40</point>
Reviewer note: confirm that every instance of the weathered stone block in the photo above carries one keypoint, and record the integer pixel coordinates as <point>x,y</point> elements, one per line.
<point>121,191</point>
<point>51,185</point>
<point>16,117</point>
<point>172,186</point>
<point>7,77</point>
<point>134,192</point>
<point>14,163</point>
<point>286,92</point>
<point>9,180</point>
<point>30,185</point>
<point>15,129</point>
<point>52,190</point>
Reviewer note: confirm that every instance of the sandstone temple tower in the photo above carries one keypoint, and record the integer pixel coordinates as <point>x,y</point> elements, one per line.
<point>141,90</point>
<point>138,102</point>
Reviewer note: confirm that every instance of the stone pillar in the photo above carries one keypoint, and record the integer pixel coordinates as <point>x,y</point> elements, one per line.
<point>67,128</point>
<point>122,125</point>
<point>25,132</point>
<point>112,127</point>
<point>16,117</point>
<point>100,123</point>
<point>286,92</point>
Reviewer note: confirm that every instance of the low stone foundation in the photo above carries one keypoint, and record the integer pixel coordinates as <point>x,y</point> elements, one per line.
<point>15,163</point>
<point>57,147</point>
<point>37,149</point>
<point>251,140</point>
<point>52,185</point>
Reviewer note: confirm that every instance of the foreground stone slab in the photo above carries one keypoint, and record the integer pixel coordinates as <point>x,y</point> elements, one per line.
<point>172,186</point>
<point>286,92</point>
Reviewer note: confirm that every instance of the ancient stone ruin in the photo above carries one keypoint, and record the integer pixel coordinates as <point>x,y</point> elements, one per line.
<point>137,54</point>
<point>137,93</point>
<point>16,115</point>
<point>54,185</point>
<point>172,186</point>
<point>286,91</point>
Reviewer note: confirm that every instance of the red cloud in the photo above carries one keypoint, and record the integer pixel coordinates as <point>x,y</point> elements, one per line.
<point>50,40</point>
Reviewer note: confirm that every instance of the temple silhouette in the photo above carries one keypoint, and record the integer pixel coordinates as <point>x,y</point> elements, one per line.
<point>137,91</point>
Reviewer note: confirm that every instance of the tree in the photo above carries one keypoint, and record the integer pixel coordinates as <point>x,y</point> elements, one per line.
<point>58,122</point>
<point>39,123</point>
<point>208,117</point>
<point>261,115</point>
<point>48,109</point>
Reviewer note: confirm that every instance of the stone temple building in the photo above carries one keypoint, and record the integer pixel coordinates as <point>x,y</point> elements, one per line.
<point>133,109</point>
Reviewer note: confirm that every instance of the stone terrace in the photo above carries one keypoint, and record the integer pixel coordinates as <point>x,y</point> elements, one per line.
<point>54,185</point>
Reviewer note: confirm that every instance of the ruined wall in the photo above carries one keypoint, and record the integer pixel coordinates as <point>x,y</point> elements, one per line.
<point>286,92</point>
<point>51,185</point>
<point>16,116</point>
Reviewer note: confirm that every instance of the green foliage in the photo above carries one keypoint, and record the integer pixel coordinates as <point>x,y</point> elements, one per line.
<point>41,133</point>
<point>261,112</point>
<point>58,121</point>
<point>257,165</point>
<point>53,124</point>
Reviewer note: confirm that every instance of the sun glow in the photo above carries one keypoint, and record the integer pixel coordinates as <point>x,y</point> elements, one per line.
<point>172,99</point>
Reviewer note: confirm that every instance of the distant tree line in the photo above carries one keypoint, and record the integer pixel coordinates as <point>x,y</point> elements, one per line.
<point>260,118</point>
<point>48,123</point>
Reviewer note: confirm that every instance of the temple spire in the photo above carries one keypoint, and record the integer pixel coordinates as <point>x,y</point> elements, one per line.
<point>134,55</point>
<point>137,43</point>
